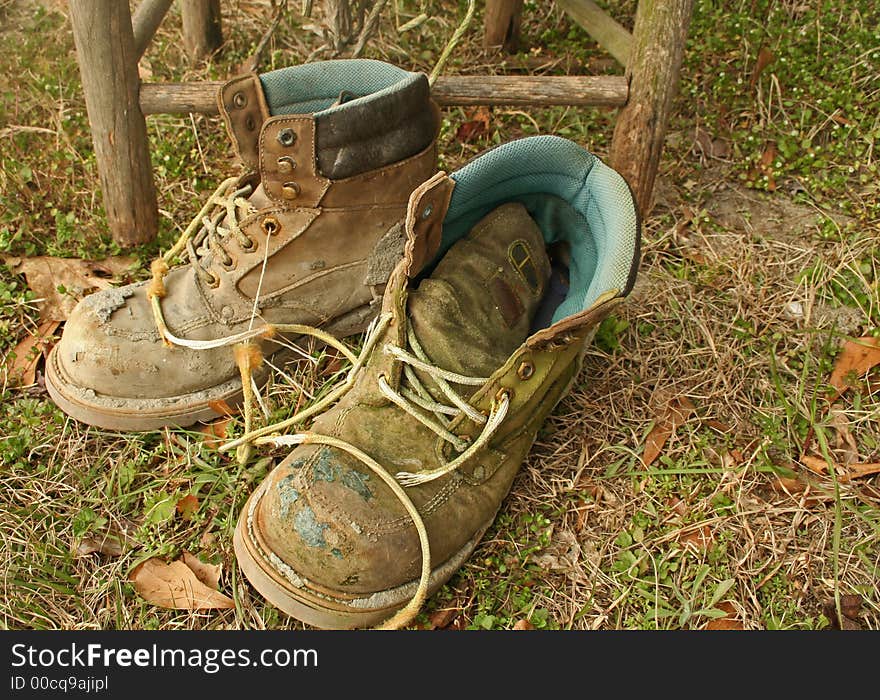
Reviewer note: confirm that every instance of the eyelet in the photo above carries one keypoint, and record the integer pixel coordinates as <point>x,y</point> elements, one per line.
<point>250,248</point>
<point>502,393</point>
<point>287,137</point>
<point>427,211</point>
<point>250,124</point>
<point>214,281</point>
<point>525,370</point>
<point>228,266</point>
<point>290,190</point>
<point>270,226</point>
<point>239,99</point>
<point>286,165</point>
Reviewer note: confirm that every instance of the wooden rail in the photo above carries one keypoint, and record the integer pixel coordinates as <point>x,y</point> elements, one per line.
<point>452,90</point>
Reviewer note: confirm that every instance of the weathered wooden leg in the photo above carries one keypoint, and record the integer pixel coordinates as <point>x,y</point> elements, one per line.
<point>146,20</point>
<point>607,32</point>
<point>659,35</point>
<point>501,24</point>
<point>108,65</point>
<point>202,27</point>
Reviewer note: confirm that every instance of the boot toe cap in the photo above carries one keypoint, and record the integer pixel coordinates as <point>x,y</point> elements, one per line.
<point>335,525</point>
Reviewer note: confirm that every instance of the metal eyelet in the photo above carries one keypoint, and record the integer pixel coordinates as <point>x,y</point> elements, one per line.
<point>287,137</point>
<point>427,211</point>
<point>502,393</point>
<point>290,190</point>
<point>213,280</point>
<point>228,266</point>
<point>250,248</point>
<point>250,124</point>
<point>239,99</point>
<point>525,370</point>
<point>270,225</point>
<point>286,165</point>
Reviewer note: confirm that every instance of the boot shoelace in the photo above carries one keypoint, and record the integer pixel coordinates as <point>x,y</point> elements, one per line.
<point>218,219</point>
<point>207,229</point>
<point>408,399</point>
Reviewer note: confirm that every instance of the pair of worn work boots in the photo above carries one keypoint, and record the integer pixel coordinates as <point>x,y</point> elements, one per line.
<point>478,292</point>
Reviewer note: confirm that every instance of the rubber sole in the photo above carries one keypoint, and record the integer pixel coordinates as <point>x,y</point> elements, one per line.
<point>326,609</point>
<point>137,414</point>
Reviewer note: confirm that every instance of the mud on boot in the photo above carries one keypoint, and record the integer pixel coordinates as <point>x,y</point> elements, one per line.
<point>510,264</point>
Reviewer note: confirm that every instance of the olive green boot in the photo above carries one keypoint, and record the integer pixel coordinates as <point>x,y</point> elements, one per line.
<point>510,264</point>
<point>308,235</point>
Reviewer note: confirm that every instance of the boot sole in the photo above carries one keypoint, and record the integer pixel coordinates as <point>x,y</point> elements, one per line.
<point>136,415</point>
<point>326,609</point>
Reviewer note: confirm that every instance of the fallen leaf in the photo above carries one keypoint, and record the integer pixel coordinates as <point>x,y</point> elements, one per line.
<point>844,440</point>
<point>856,469</point>
<point>477,126</point>
<point>443,618</point>
<point>728,622</point>
<point>854,361</point>
<point>816,464</point>
<point>21,368</point>
<point>77,278</point>
<point>765,58</point>
<point>108,545</point>
<point>209,574</point>
<point>215,432</point>
<point>223,408</point>
<point>700,538</point>
<point>675,413</point>
<point>176,586</point>
<point>523,625</point>
<point>850,607</point>
<point>187,506</point>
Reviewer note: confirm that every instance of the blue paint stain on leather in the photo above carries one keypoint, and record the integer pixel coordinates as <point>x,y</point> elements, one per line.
<point>287,495</point>
<point>326,469</point>
<point>309,529</point>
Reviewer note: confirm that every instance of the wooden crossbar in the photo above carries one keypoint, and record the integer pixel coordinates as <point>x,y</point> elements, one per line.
<point>453,90</point>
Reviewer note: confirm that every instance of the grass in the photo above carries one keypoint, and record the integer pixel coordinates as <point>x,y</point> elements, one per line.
<point>759,260</point>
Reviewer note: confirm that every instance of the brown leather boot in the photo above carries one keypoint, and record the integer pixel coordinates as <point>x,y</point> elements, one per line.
<point>308,235</point>
<point>510,265</point>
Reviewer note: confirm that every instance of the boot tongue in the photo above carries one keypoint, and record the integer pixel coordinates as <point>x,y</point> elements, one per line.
<point>477,306</point>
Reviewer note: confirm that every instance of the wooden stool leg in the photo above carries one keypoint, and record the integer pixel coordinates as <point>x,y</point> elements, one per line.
<point>202,27</point>
<point>501,24</point>
<point>659,35</point>
<point>107,60</point>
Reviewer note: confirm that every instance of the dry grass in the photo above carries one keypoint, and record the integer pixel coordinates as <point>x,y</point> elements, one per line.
<point>742,303</point>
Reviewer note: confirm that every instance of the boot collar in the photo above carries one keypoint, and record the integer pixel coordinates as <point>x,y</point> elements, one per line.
<point>365,115</point>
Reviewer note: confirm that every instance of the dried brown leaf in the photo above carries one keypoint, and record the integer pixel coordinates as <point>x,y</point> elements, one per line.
<point>176,586</point>
<point>699,538</point>
<point>855,360</point>
<point>765,58</point>
<point>21,368</point>
<point>209,574</point>
<point>477,126</point>
<point>215,432</point>
<point>816,464</point>
<point>223,408</point>
<point>46,274</point>
<point>859,469</point>
<point>675,413</point>
<point>523,625</point>
<point>107,545</point>
<point>188,506</point>
<point>728,622</point>
<point>441,619</point>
